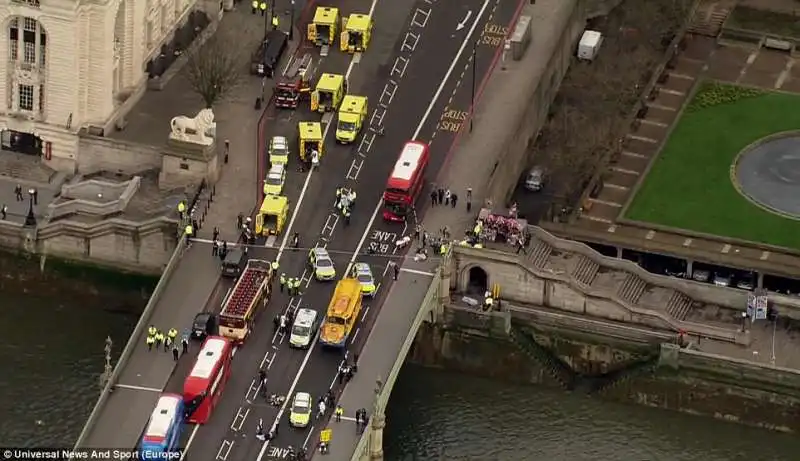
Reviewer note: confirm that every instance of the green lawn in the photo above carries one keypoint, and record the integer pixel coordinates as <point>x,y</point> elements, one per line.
<point>689,186</point>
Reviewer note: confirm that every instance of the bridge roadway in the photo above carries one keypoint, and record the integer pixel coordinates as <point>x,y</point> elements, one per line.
<point>400,75</point>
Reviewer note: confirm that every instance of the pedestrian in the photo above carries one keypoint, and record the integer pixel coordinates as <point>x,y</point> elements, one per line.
<point>341,374</point>
<point>214,248</point>
<point>185,344</point>
<point>433,197</point>
<point>339,413</point>
<point>297,287</point>
<point>469,193</point>
<point>150,341</point>
<point>417,231</point>
<point>35,195</point>
<point>18,192</point>
<point>358,418</point>
<point>290,317</point>
<point>260,430</point>
<point>283,324</point>
<point>453,200</point>
<point>447,195</point>
<point>175,353</point>
<point>215,234</point>
<point>239,220</point>
<point>396,270</point>
<point>4,211</point>
<point>188,231</point>
<point>282,281</point>
<point>195,224</point>
<point>276,322</point>
<point>262,375</point>
<point>159,338</point>
<point>469,205</point>
<point>440,195</point>
<point>224,247</point>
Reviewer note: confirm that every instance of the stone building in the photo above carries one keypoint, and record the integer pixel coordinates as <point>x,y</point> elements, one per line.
<point>69,64</point>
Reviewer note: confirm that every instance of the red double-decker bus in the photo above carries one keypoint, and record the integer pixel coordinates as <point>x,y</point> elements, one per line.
<point>204,385</point>
<point>406,181</point>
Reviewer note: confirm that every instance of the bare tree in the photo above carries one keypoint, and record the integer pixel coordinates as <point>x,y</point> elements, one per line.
<point>215,68</point>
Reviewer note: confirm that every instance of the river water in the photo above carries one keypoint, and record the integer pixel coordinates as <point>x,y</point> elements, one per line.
<point>52,353</point>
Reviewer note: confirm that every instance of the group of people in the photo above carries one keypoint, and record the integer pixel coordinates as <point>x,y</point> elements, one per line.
<point>345,200</point>
<point>281,322</point>
<point>157,338</point>
<point>291,284</point>
<point>245,226</point>
<point>219,248</point>
<point>499,228</point>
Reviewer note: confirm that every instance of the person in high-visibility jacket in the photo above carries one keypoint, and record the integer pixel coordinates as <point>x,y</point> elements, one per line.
<point>254,6</point>
<point>159,338</point>
<point>150,341</point>
<point>172,334</point>
<point>263,7</point>
<point>296,287</point>
<point>152,330</point>
<point>283,281</point>
<point>181,208</point>
<point>443,249</point>
<point>275,266</point>
<point>275,21</point>
<point>188,230</point>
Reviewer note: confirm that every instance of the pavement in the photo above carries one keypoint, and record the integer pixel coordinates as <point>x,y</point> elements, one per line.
<point>122,419</point>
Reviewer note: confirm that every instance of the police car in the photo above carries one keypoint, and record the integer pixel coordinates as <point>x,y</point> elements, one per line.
<point>275,179</point>
<point>363,273</point>
<point>278,150</point>
<point>321,262</point>
<point>300,415</point>
<point>304,328</point>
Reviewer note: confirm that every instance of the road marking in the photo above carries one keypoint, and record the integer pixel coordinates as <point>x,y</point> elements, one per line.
<point>308,437</point>
<point>189,442</point>
<point>421,16</point>
<point>410,42</point>
<point>414,271</point>
<point>224,450</point>
<point>462,24</point>
<point>238,420</point>
<point>422,122</point>
<point>139,388</point>
<point>291,391</point>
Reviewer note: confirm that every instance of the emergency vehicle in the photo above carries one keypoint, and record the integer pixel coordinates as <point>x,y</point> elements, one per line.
<point>356,34</point>
<point>352,113</point>
<point>278,150</point>
<point>310,139</point>
<point>328,94</point>
<point>322,30</point>
<point>271,216</point>
<point>251,292</point>
<point>294,84</point>
<point>342,315</point>
<point>406,181</point>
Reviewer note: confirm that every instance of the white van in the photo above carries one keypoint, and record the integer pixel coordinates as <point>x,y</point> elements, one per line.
<point>304,328</point>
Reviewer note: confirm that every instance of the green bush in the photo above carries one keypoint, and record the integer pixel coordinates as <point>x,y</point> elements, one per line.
<point>713,94</point>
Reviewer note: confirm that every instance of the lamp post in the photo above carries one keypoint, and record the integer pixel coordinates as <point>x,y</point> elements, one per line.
<point>272,13</point>
<point>30,219</point>
<point>291,22</point>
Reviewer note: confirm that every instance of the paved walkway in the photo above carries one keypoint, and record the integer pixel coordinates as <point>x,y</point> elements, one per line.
<point>465,168</point>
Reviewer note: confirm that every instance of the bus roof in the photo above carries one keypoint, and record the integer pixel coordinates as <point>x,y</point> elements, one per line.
<point>163,416</point>
<point>408,162</point>
<point>358,22</point>
<point>310,130</point>
<point>346,290</point>
<point>330,82</point>
<point>208,357</point>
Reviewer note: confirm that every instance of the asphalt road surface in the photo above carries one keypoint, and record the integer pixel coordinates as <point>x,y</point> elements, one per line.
<point>414,75</point>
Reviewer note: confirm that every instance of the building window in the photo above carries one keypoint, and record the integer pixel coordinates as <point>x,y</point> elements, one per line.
<point>41,98</point>
<point>26,97</point>
<point>42,48</point>
<point>33,46</point>
<point>33,3</point>
<point>30,53</point>
<point>13,39</point>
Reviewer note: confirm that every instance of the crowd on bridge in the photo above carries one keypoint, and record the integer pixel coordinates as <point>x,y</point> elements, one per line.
<point>156,338</point>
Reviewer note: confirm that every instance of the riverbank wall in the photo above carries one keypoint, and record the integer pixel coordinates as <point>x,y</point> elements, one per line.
<point>608,360</point>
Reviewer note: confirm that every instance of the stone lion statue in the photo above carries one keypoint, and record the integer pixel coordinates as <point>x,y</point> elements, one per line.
<point>193,129</point>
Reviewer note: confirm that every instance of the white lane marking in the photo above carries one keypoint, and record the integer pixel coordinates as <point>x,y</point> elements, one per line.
<point>238,420</point>
<point>289,394</point>
<point>139,388</point>
<point>422,122</point>
<point>308,437</point>
<point>355,335</point>
<point>414,271</point>
<point>189,442</point>
<point>224,450</point>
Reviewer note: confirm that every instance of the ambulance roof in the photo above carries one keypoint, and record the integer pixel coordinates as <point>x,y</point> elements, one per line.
<point>274,203</point>
<point>358,22</point>
<point>310,130</point>
<point>208,358</point>
<point>326,15</point>
<point>352,103</point>
<point>330,82</point>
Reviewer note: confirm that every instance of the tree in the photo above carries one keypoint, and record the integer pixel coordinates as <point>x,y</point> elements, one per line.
<point>215,68</point>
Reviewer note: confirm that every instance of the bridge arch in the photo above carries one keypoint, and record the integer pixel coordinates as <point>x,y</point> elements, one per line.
<point>474,279</point>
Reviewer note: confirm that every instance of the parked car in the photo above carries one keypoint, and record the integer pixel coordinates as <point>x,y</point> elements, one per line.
<point>204,324</point>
